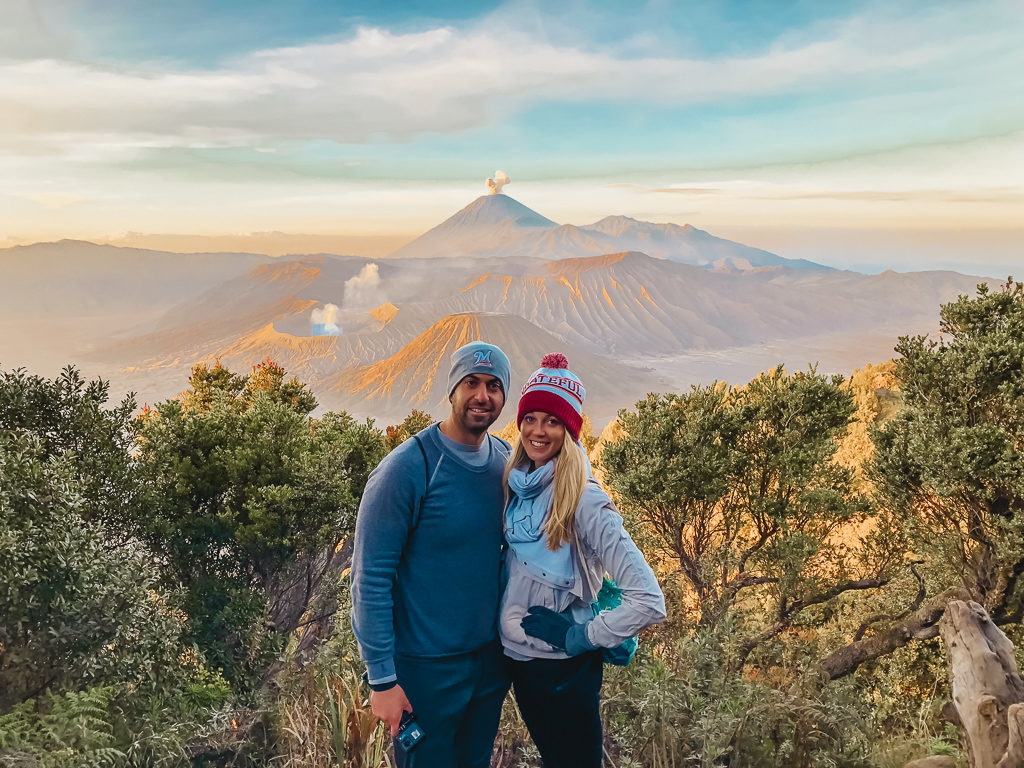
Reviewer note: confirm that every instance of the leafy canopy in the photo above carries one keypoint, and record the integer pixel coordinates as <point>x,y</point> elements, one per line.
<point>246,499</point>
<point>70,419</point>
<point>951,464</point>
<point>94,654</point>
<point>415,422</point>
<point>739,488</point>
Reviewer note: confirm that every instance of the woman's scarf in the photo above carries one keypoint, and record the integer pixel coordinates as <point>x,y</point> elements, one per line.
<point>528,509</point>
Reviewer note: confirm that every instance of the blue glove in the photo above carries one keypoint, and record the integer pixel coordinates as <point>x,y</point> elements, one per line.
<point>557,630</point>
<point>546,625</point>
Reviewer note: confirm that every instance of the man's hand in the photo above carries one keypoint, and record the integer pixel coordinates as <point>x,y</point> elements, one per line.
<point>389,705</point>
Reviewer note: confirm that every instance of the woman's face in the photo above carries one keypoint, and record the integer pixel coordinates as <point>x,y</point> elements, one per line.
<point>542,436</point>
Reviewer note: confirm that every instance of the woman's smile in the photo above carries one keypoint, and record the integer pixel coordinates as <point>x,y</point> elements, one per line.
<point>543,436</point>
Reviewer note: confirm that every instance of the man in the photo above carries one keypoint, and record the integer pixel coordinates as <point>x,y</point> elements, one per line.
<point>425,572</point>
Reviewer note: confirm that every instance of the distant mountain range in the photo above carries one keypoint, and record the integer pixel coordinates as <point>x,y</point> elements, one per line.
<point>498,225</point>
<point>636,306</point>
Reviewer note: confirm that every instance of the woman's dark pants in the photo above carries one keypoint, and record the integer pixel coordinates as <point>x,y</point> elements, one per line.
<point>559,700</point>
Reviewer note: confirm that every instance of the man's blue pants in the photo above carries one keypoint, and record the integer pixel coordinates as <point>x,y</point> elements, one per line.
<point>457,701</point>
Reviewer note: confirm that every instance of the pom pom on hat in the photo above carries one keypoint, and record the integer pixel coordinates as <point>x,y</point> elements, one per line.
<point>554,360</point>
<point>554,389</point>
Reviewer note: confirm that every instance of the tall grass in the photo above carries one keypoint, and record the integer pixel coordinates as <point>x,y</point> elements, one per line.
<point>327,723</point>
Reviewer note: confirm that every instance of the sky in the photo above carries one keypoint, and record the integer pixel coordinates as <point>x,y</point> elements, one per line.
<point>865,135</point>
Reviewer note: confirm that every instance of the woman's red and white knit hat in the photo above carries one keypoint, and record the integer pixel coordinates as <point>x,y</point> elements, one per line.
<point>554,389</point>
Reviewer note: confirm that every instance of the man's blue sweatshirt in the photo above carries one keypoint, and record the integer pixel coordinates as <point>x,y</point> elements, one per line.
<point>425,579</point>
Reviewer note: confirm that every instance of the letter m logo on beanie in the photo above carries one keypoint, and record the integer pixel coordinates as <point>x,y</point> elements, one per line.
<point>483,357</point>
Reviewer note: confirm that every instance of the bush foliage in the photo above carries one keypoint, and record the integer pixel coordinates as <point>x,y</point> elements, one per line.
<point>173,581</point>
<point>246,499</point>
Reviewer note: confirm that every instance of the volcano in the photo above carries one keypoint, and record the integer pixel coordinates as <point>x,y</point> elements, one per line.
<point>489,222</point>
<point>496,226</point>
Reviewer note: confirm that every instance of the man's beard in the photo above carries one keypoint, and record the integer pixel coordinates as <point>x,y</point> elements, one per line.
<point>478,423</point>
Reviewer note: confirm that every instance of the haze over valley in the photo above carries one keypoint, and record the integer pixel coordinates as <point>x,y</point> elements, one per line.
<point>636,306</point>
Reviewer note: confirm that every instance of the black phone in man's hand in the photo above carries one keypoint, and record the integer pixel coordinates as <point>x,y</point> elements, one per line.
<point>410,734</point>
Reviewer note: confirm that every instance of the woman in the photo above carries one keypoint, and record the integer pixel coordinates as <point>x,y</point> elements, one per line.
<point>564,534</point>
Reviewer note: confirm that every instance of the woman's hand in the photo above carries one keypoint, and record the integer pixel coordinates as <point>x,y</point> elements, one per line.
<point>557,630</point>
<point>547,625</point>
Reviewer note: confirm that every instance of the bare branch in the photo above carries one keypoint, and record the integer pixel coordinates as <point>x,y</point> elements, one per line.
<point>765,535</point>
<point>921,625</point>
<point>744,580</point>
<point>877,617</point>
<point>750,643</point>
<point>835,591</point>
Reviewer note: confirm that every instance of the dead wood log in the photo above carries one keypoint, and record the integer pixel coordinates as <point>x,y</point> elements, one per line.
<point>988,691</point>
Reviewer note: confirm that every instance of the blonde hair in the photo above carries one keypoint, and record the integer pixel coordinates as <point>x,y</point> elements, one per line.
<point>570,479</point>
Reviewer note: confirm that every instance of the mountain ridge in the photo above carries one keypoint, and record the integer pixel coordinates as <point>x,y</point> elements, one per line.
<point>416,375</point>
<point>494,224</point>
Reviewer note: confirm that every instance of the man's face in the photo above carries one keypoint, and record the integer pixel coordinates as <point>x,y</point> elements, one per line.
<point>477,402</point>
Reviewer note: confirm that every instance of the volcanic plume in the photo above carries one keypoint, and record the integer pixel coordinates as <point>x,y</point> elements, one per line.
<point>325,321</point>
<point>500,180</point>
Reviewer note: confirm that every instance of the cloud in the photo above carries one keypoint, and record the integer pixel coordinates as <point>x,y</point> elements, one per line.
<point>976,171</point>
<point>684,191</point>
<point>788,121</point>
<point>36,29</point>
<point>53,200</point>
<point>376,85</point>
<point>770,191</point>
<point>995,196</point>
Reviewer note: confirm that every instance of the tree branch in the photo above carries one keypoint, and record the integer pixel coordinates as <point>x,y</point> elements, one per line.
<point>877,617</point>
<point>921,625</point>
<point>1006,595</point>
<point>838,589</point>
<point>765,535</point>
<point>744,580</point>
<point>749,644</point>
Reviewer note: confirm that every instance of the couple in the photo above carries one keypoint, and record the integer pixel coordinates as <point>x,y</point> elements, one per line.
<point>445,622</point>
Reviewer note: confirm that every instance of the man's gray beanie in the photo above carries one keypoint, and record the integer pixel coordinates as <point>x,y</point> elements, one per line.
<point>479,357</point>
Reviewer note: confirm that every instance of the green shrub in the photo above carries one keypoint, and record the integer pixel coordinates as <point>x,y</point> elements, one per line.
<point>95,665</point>
<point>679,704</point>
<point>246,499</point>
